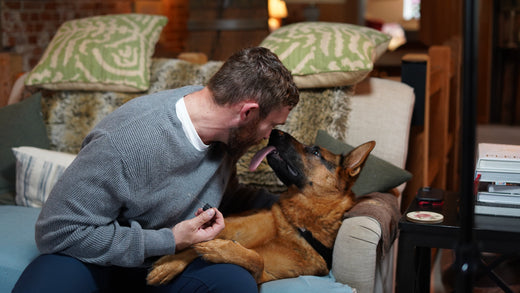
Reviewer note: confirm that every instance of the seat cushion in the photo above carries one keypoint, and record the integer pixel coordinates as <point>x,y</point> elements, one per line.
<point>306,284</point>
<point>17,245</point>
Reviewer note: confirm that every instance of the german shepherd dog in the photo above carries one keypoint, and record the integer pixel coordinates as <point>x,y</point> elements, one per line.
<point>295,236</point>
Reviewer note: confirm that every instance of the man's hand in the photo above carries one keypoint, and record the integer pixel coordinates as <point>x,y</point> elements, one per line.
<point>205,226</point>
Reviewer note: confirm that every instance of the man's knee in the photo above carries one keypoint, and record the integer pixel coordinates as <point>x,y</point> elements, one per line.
<point>202,276</point>
<point>234,278</point>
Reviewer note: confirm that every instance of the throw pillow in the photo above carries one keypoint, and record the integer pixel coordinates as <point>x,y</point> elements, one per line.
<point>377,175</point>
<point>325,54</point>
<point>102,53</point>
<point>20,124</point>
<point>37,170</point>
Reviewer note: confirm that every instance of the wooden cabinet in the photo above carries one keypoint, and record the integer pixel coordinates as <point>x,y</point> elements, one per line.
<point>435,130</point>
<point>221,28</point>
<point>11,67</point>
<point>505,97</point>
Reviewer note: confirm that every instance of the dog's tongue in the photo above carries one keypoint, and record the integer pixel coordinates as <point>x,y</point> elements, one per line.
<point>259,156</point>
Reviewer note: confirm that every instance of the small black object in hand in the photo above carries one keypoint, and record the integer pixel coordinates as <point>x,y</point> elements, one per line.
<point>206,207</point>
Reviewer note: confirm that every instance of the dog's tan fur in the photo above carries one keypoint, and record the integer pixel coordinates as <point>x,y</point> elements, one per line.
<point>267,242</point>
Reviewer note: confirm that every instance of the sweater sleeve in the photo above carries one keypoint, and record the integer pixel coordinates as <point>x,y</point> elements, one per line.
<point>85,214</point>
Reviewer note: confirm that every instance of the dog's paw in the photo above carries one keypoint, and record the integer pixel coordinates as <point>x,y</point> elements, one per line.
<point>165,269</point>
<point>218,250</point>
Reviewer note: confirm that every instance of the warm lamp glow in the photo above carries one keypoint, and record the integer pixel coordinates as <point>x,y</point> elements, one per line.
<point>277,11</point>
<point>316,1</point>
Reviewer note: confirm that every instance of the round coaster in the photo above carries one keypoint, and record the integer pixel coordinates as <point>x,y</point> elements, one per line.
<point>424,217</point>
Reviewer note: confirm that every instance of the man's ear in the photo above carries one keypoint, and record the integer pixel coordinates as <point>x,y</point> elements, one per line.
<point>248,111</point>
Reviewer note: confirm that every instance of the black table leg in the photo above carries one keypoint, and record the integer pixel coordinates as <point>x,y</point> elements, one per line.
<point>405,277</point>
<point>423,265</point>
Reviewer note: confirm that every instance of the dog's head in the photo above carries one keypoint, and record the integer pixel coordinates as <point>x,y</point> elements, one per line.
<point>312,167</point>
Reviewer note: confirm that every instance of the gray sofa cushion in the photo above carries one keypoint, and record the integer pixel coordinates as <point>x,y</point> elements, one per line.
<point>21,124</point>
<point>377,174</point>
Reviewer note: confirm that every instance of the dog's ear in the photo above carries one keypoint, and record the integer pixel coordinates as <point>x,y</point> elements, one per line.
<point>352,162</point>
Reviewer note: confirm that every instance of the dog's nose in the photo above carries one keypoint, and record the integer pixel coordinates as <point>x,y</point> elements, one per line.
<point>276,133</point>
<point>277,136</point>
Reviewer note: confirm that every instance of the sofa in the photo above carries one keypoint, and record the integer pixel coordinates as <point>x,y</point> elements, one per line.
<point>42,128</point>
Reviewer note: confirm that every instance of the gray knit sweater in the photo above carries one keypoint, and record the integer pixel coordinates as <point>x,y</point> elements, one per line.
<point>136,176</point>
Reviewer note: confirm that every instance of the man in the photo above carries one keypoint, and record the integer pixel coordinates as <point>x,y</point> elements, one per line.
<point>143,172</point>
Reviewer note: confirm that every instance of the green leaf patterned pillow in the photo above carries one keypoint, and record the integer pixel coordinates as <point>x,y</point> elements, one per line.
<point>102,53</point>
<point>326,54</point>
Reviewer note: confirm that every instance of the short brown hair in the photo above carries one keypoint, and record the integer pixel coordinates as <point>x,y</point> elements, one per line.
<point>254,73</point>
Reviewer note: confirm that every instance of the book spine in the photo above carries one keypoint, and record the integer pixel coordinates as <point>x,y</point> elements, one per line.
<point>505,188</point>
<point>496,176</point>
<point>499,151</point>
<point>500,165</point>
<point>495,210</point>
<point>500,198</point>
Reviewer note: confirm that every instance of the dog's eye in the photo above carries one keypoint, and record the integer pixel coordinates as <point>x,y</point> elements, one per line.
<point>315,151</point>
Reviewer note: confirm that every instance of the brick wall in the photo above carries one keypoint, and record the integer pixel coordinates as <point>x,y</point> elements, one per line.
<point>29,25</point>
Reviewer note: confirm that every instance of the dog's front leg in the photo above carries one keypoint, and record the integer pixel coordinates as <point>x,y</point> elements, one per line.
<point>169,266</point>
<point>229,251</point>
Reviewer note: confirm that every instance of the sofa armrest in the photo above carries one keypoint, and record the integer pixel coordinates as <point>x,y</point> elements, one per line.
<point>354,257</point>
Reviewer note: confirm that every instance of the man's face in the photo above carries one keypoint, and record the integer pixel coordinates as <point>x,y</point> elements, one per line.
<point>245,136</point>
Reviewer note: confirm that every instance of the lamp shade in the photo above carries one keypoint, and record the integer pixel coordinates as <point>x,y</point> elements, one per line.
<point>277,9</point>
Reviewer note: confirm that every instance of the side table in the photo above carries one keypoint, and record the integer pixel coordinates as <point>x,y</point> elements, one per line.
<point>492,233</point>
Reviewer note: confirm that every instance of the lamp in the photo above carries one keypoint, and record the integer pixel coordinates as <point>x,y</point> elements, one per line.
<point>312,12</point>
<point>277,11</point>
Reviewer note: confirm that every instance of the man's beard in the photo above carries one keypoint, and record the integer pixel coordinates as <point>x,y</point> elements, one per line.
<point>242,138</point>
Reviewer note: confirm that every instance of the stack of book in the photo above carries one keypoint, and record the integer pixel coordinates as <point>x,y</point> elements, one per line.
<point>497,179</point>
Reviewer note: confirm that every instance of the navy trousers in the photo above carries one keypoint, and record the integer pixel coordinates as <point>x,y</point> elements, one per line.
<point>58,273</point>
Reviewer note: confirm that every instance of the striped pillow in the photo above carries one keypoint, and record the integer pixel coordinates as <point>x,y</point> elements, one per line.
<point>37,170</point>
